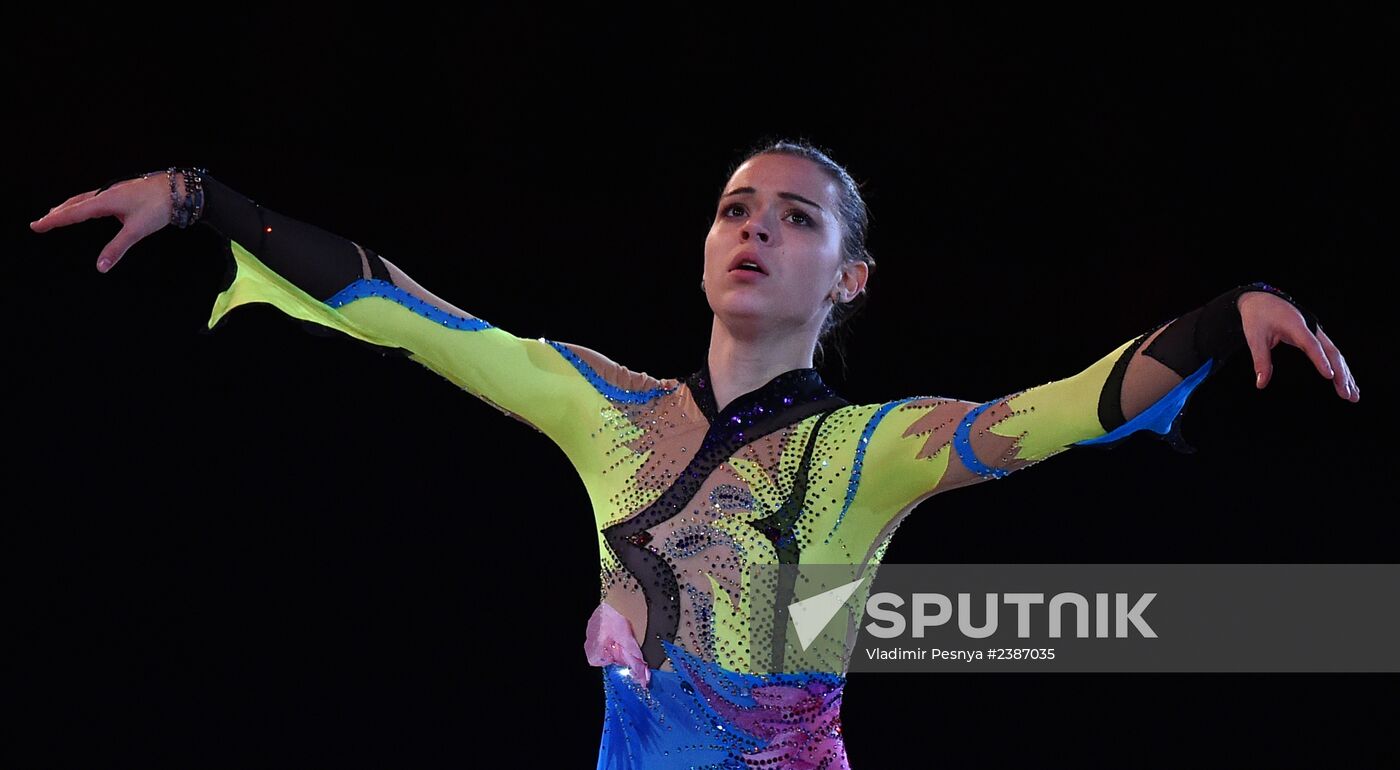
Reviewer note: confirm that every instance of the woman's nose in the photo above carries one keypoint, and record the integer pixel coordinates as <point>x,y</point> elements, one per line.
<point>750,230</point>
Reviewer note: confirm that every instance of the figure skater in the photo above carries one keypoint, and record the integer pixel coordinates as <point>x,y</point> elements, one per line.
<point>751,459</point>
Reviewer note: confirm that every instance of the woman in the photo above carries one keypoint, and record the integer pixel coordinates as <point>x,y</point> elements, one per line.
<point>749,461</point>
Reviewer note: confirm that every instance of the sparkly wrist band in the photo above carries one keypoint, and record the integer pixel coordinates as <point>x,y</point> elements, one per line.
<point>186,210</point>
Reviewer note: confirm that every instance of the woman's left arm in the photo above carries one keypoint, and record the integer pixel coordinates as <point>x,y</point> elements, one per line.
<point>928,445</point>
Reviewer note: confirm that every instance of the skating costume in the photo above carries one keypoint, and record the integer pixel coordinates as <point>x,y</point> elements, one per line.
<point>687,496</point>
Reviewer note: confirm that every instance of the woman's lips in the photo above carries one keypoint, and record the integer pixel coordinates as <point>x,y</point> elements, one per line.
<point>741,274</point>
<point>748,255</point>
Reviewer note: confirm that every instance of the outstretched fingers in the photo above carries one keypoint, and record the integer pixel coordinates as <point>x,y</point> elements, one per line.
<point>79,208</point>
<point>142,209</point>
<point>1299,337</point>
<point>118,246</point>
<point>1344,382</point>
<point>1261,341</point>
<point>1259,347</point>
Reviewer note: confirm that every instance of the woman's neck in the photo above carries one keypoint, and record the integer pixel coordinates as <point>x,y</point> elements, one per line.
<point>743,363</point>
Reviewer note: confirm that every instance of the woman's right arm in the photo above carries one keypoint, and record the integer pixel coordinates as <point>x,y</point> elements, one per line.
<point>327,280</point>
<point>916,447</point>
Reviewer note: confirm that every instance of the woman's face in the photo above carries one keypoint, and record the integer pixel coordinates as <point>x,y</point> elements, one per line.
<point>779,210</point>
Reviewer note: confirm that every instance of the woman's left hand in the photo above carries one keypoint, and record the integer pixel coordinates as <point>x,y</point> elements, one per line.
<point>1269,320</point>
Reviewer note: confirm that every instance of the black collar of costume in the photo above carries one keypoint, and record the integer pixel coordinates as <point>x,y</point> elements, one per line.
<point>795,391</point>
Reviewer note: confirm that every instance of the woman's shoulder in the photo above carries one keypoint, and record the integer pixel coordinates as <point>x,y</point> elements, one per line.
<point>609,376</point>
<point>876,409</point>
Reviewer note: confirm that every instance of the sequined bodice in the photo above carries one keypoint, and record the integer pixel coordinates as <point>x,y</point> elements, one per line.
<point>718,488</point>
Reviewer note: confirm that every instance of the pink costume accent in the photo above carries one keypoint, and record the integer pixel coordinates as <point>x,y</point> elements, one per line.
<point>610,640</point>
<point>798,723</point>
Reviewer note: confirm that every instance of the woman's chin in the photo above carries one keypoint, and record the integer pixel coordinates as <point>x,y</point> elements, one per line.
<point>744,305</point>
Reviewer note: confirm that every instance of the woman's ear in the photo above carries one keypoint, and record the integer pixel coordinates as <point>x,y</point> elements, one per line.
<point>853,278</point>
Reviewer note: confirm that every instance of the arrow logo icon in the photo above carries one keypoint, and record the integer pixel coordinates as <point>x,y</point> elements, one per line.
<point>811,615</point>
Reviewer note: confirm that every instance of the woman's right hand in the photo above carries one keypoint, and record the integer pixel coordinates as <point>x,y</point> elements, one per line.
<point>141,204</point>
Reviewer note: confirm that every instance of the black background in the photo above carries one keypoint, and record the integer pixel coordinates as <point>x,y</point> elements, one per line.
<point>263,547</point>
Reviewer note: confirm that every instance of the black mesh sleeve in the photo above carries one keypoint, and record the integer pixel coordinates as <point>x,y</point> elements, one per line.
<point>1211,332</point>
<point>321,263</point>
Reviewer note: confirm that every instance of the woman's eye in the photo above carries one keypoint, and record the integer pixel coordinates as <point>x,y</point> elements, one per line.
<point>802,217</point>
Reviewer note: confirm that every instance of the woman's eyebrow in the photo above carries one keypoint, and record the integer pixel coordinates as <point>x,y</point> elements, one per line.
<point>788,195</point>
